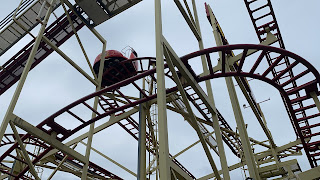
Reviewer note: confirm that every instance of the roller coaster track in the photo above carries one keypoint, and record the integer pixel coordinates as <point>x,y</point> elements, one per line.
<point>282,64</point>
<point>128,124</point>
<point>58,32</point>
<point>264,19</point>
<point>52,124</point>
<point>131,126</point>
<point>14,30</point>
<point>70,163</point>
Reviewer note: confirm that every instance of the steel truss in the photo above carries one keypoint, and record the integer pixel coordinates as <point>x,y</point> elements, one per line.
<point>183,97</point>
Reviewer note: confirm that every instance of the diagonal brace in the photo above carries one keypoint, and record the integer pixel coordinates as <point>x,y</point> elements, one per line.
<point>170,58</point>
<point>189,78</point>
<point>47,138</point>
<point>24,151</point>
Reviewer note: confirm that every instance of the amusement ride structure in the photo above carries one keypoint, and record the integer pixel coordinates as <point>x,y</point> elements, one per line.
<point>136,93</point>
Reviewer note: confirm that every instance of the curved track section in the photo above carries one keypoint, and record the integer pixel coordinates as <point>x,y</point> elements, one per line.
<point>307,79</point>
<point>264,19</point>
<point>308,75</point>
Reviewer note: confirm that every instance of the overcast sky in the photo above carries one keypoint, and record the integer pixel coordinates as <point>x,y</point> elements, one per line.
<point>54,83</point>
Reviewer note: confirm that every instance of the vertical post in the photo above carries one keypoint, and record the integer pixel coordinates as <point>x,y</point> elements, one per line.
<point>24,74</point>
<point>161,98</point>
<point>142,142</point>
<point>216,126</point>
<point>253,171</point>
<point>193,120</point>
<point>95,106</point>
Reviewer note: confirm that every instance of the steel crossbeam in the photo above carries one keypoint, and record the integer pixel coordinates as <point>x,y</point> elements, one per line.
<point>47,138</point>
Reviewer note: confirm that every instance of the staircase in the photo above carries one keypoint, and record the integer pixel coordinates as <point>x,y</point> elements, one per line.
<point>26,19</point>
<point>58,32</point>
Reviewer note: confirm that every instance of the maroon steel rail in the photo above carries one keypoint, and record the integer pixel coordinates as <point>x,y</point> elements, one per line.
<point>10,139</point>
<point>36,142</point>
<point>58,32</point>
<point>309,84</point>
<point>263,18</point>
<point>309,80</point>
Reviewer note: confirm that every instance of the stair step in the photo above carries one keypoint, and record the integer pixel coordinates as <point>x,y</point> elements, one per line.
<point>313,143</point>
<point>261,7</point>
<point>308,117</point>
<point>312,135</point>
<point>251,1</point>
<point>295,78</point>
<point>301,87</point>
<point>304,108</point>
<point>262,16</point>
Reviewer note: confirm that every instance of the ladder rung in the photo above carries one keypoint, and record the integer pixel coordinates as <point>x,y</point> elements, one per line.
<point>289,88</point>
<point>315,154</point>
<point>295,78</point>
<point>313,143</point>
<point>282,77</point>
<point>257,9</point>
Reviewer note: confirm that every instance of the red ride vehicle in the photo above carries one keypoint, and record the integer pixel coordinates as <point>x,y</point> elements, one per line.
<point>117,67</point>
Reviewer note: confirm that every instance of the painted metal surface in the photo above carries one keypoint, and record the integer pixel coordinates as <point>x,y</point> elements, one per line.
<point>50,125</point>
<point>279,74</point>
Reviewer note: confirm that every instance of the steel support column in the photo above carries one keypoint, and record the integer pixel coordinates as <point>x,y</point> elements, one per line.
<point>111,160</point>
<point>112,120</point>
<point>164,162</point>
<point>72,63</point>
<point>59,165</point>
<point>216,126</point>
<point>189,147</point>
<point>170,58</point>
<point>47,138</point>
<point>142,143</point>
<point>253,170</point>
<point>95,106</point>
<point>25,72</point>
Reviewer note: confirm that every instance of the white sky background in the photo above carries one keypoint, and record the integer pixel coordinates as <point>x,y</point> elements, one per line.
<point>54,83</point>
